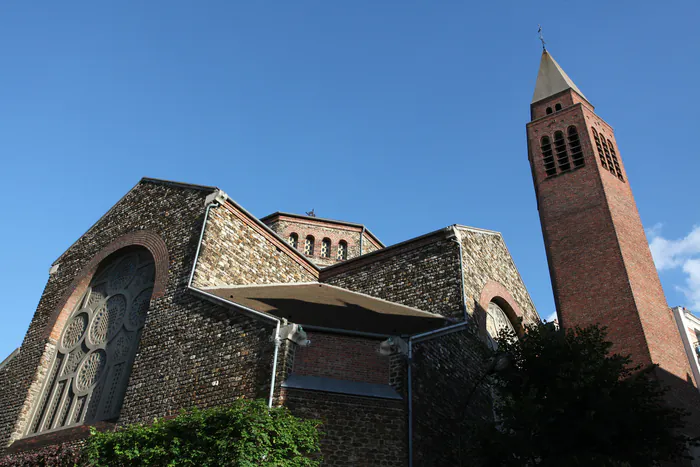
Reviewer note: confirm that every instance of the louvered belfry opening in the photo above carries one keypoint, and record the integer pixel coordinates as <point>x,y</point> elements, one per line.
<point>548,156</point>
<point>575,147</point>
<point>562,153</point>
<point>95,351</point>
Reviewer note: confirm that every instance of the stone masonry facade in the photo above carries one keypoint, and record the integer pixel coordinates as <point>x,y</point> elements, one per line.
<point>196,351</point>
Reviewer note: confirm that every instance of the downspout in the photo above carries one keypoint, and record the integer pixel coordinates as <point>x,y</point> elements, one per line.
<point>431,335</point>
<point>362,237</point>
<point>213,200</point>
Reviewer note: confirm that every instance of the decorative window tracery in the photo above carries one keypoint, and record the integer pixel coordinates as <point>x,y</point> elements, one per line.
<point>342,250</point>
<point>496,321</point>
<point>309,245</point>
<point>97,346</point>
<point>293,240</point>
<point>325,248</point>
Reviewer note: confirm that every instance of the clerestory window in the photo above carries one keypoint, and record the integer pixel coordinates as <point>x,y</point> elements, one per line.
<point>326,248</point>
<point>293,240</point>
<point>309,245</point>
<point>342,250</point>
<point>96,349</point>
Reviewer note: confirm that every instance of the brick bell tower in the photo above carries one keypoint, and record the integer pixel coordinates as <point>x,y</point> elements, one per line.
<point>599,259</point>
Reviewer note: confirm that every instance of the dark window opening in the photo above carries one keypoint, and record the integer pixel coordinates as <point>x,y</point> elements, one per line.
<point>618,170</point>
<point>575,147</point>
<point>601,155</point>
<point>557,107</point>
<point>608,157</point>
<point>549,110</point>
<point>562,153</point>
<point>548,157</point>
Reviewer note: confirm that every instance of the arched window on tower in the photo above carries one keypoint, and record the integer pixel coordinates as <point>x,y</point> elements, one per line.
<point>309,245</point>
<point>548,156</point>
<point>326,248</point>
<point>562,154</point>
<point>293,240</point>
<point>96,348</point>
<point>575,147</point>
<point>618,170</point>
<point>608,157</point>
<point>549,110</point>
<point>342,250</point>
<point>599,148</point>
<point>557,107</point>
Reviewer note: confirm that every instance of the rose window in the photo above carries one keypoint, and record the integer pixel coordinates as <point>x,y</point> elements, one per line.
<point>90,371</point>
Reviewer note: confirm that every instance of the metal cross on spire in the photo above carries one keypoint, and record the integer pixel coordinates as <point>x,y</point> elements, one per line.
<point>539,30</point>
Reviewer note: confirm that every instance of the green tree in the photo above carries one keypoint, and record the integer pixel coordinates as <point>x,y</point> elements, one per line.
<point>566,401</point>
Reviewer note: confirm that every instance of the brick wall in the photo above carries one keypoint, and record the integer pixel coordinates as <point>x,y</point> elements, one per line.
<point>423,274</point>
<point>377,437</point>
<point>237,252</point>
<point>191,352</point>
<point>342,357</point>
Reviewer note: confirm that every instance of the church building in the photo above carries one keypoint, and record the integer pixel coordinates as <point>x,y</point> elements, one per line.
<point>179,297</point>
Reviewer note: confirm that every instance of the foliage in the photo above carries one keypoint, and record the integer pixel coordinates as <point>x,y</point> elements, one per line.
<point>244,434</point>
<point>49,456</point>
<point>566,401</point>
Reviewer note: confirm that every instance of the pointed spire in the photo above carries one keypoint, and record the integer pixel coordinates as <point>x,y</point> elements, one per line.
<point>551,79</point>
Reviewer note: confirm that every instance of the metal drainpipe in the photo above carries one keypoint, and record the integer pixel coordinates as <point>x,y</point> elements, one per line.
<point>275,336</point>
<point>362,236</point>
<point>461,272</point>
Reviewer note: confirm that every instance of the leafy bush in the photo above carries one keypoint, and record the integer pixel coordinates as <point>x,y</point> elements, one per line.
<point>244,434</point>
<point>50,456</point>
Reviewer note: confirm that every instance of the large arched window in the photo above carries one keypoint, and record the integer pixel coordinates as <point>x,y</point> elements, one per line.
<point>562,154</point>
<point>575,147</point>
<point>293,240</point>
<point>95,351</point>
<point>548,156</point>
<point>309,245</point>
<point>496,321</point>
<point>326,248</point>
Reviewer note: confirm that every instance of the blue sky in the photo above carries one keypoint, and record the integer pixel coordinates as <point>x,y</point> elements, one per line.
<point>405,116</point>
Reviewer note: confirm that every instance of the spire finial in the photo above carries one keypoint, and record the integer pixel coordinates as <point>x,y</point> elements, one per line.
<point>539,30</point>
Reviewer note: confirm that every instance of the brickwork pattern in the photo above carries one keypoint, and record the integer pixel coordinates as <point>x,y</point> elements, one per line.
<point>601,266</point>
<point>357,431</point>
<point>192,352</point>
<point>486,258</point>
<point>234,253</point>
<point>343,357</point>
<point>424,275</point>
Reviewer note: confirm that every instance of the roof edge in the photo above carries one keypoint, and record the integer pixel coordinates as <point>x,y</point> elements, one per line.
<point>324,219</point>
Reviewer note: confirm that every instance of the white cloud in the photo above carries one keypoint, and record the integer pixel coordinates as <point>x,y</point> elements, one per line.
<point>551,317</point>
<point>683,253</point>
